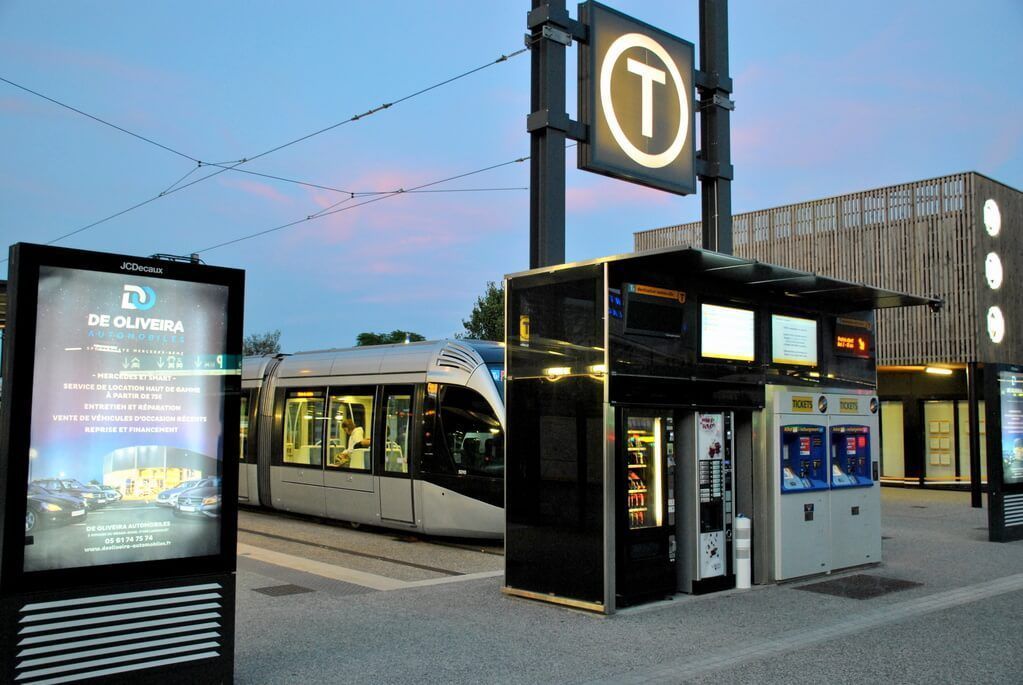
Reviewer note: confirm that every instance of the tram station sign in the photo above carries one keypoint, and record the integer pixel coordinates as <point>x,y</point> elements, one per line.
<point>121,386</point>
<point>636,98</point>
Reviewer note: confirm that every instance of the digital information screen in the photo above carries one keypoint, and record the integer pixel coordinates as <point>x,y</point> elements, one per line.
<point>793,340</point>
<point>727,333</point>
<point>1010,388</point>
<point>126,447</point>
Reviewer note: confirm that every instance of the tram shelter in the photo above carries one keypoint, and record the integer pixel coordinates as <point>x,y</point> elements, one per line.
<point>626,359</point>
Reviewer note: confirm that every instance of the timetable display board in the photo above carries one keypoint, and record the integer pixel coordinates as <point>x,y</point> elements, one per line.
<point>124,379</point>
<point>793,340</point>
<point>727,333</point>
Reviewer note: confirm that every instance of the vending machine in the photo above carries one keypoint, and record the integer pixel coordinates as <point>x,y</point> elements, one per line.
<point>703,529</point>
<point>795,486</point>
<point>855,487</point>
<point>646,466</point>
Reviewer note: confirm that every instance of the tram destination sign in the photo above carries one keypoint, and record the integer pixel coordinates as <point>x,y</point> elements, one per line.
<point>122,369</point>
<point>636,100</point>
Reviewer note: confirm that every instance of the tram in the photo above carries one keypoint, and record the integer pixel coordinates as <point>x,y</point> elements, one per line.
<point>407,436</point>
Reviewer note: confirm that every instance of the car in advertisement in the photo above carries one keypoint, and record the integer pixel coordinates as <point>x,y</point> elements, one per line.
<point>169,497</point>
<point>93,496</point>
<point>200,501</point>
<point>112,493</point>
<point>46,508</point>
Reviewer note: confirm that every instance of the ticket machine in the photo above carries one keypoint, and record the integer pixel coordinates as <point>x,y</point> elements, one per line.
<point>704,456</point>
<point>855,490</point>
<point>795,485</point>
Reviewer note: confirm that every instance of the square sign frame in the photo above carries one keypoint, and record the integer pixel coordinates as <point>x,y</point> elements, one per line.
<point>636,99</point>
<point>75,318</point>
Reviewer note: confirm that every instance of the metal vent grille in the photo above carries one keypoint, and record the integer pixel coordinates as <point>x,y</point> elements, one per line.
<point>1013,509</point>
<point>455,356</point>
<point>90,637</point>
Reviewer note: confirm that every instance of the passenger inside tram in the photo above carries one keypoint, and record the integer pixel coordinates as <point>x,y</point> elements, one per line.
<point>356,448</point>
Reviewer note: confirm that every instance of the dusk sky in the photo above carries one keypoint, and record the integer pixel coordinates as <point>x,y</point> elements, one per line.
<point>831,97</point>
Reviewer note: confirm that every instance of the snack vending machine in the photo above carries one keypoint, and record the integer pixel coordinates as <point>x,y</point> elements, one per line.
<point>646,560</point>
<point>705,494</point>
<point>855,487</point>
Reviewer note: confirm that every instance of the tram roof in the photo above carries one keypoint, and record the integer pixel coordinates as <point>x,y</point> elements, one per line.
<point>803,286</point>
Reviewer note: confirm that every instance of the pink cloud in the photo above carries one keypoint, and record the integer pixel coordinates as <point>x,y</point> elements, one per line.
<point>256,188</point>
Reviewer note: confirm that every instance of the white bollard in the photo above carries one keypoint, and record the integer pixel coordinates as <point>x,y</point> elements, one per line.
<point>743,549</point>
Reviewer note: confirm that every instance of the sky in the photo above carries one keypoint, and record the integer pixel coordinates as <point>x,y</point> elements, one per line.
<point>831,97</point>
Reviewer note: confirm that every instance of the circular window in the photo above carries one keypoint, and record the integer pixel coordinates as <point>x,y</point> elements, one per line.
<point>995,324</point>
<point>993,270</point>
<point>992,218</point>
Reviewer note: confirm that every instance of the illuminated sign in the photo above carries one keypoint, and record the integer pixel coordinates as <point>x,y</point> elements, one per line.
<point>727,333</point>
<point>793,340</point>
<point>1010,389</point>
<point>849,405</point>
<point>854,338</point>
<point>127,417</point>
<point>676,295</point>
<point>802,404</point>
<point>635,97</point>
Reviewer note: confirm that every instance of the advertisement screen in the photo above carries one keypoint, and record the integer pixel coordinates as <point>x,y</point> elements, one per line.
<point>793,340</point>
<point>727,333</point>
<point>1010,387</point>
<point>126,446</point>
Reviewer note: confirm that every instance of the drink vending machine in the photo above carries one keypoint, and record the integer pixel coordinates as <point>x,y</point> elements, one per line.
<point>705,493</point>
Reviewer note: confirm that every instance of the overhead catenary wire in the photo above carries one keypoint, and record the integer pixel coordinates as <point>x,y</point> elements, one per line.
<point>232,166</point>
<point>337,209</point>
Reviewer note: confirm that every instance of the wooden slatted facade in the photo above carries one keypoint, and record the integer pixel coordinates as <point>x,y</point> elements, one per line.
<point>915,237</point>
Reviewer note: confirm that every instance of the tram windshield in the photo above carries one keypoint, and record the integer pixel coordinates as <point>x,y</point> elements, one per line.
<point>473,442</point>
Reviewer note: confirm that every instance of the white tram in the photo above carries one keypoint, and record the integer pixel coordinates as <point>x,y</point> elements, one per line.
<point>402,436</point>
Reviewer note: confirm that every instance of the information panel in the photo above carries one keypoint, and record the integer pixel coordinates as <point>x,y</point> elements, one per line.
<point>727,333</point>
<point>1010,387</point>
<point>793,340</point>
<point>127,405</point>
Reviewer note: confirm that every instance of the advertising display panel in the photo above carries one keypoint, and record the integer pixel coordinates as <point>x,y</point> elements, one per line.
<point>1010,387</point>
<point>125,381</point>
<point>793,340</point>
<point>727,333</point>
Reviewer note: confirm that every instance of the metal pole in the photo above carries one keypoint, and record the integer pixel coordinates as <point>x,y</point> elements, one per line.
<point>976,491</point>
<point>715,134</point>
<point>547,146</point>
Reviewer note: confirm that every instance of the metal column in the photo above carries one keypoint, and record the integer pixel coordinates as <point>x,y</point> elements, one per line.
<point>715,158</point>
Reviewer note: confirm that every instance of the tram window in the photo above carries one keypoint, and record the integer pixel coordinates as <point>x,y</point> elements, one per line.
<point>472,435</point>
<point>303,427</point>
<point>244,426</point>
<point>350,449</point>
<point>396,447</point>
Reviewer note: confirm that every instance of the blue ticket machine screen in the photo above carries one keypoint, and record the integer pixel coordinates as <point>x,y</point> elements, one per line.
<point>804,459</point>
<point>850,457</point>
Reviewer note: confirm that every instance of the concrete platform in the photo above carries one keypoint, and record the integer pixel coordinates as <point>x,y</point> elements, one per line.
<point>443,618</point>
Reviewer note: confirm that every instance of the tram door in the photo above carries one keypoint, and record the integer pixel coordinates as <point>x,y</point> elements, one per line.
<point>394,456</point>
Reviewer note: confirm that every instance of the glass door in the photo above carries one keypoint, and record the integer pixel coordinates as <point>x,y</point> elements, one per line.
<point>645,448</point>
<point>395,455</point>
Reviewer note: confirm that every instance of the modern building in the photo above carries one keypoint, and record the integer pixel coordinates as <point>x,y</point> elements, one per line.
<point>954,237</point>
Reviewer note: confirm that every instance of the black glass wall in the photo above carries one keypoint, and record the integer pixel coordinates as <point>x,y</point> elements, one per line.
<point>555,447</point>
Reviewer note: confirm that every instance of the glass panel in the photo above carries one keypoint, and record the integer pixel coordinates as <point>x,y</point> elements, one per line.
<point>893,452</point>
<point>397,423</point>
<point>939,450</point>
<point>244,427</point>
<point>303,428</point>
<point>964,442</point>
<point>472,435</point>
<point>644,446</point>
<point>350,426</point>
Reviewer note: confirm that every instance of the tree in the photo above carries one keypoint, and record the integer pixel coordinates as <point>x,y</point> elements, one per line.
<point>486,322</point>
<point>262,343</point>
<point>364,339</point>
